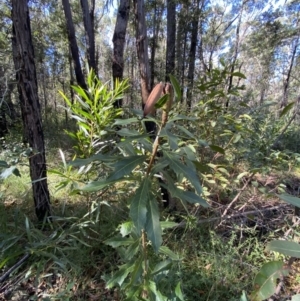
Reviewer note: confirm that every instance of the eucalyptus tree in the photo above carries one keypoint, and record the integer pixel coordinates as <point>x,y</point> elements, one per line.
<point>23,55</point>
<point>119,43</point>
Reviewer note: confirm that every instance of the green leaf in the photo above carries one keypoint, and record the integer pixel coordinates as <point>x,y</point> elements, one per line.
<point>168,224</point>
<point>178,292</point>
<point>166,251</point>
<point>125,121</point>
<point>126,228</point>
<point>176,87</point>
<point>239,74</point>
<point>161,266</point>
<point>290,199</point>
<point>120,276</point>
<point>161,102</point>
<point>127,132</point>
<point>265,281</point>
<point>118,241</point>
<point>3,164</point>
<point>190,197</point>
<point>181,169</point>
<point>217,149</point>
<point>138,205</point>
<point>289,248</point>
<point>126,166</point>
<point>96,185</point>
<point>153,227</point>
<point>243,297</point>
<point>9,171</point>
<point>286,109</point>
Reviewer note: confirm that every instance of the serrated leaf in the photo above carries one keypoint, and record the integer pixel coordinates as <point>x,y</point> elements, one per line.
<point>289,248</point>
<point>118,241</point>
<point>217,149</point>
<point>125,166</point>
<point>286,109</point>
<point>290,199</point>
<point>138,205</point>
<point>153,228</point>
<point>176,87</point>
<point>266,280</point>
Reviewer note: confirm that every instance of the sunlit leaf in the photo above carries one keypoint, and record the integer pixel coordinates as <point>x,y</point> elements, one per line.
<point>96,185</point>
<point>161,102</point>
<point>176,87</point>
<point>9,171</point>
<point>138,204</point>
<point>178,292</point>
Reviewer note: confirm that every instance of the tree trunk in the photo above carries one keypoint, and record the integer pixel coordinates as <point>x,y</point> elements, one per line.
<point>192,53</point>
<point>88,17</point>
<point>171,38</point>
<point>119,44</point>
<point>287,80</point>
<point>73,45</point>
<point>30,107</point>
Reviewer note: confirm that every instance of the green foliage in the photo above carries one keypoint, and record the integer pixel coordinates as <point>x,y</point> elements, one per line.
<point>94,113</point>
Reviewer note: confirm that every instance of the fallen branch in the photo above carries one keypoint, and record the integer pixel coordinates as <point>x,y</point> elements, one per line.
<point>14,267</point>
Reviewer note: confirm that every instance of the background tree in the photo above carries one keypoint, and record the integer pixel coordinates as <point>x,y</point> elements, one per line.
<point>30,107</point>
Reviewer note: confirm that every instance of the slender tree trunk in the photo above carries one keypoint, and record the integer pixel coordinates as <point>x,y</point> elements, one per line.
<point>236,52</point>
<point>30,107</point>
<point>171,38</point>
<point>119,44</point>
<point>73,45</point>
<point>192,53</point>
<point>287,80</point>
<point>89,34</point>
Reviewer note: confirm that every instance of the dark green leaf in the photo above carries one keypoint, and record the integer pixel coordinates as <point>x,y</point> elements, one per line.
<point>161,266</point>
<point>9,171</point>
<point>125,121</point>
<point>161,102</point>
<point>190,197</point>
<point>176,87</point>
<point>182,170</point>
<point>153,228</point>
<point>3,164</point>
<point>239,74</point>
<point>217,149</point>
<point>166,251</point>
<point>287,109</point>
<point>138,205</point>
<point>289,248</point>
<point>127,132</point>
<point>126,166</point>
<point>96,185</point>
<point>120,275</point>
